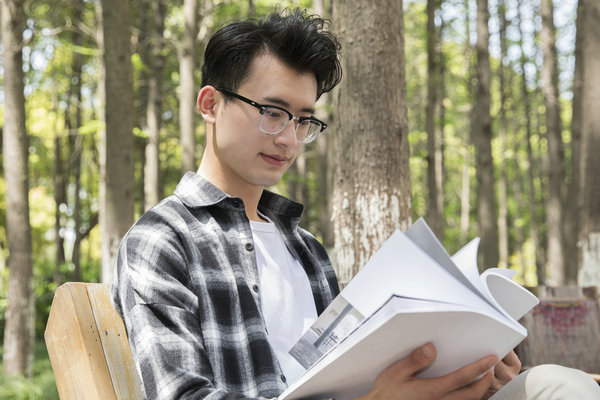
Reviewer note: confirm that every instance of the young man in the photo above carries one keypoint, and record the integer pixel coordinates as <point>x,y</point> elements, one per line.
<point>217,282</point>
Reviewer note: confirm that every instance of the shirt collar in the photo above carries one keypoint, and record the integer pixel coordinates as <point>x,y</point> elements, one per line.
<point>195,191</point>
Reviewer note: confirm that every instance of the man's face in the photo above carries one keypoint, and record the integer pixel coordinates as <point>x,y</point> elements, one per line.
<point>246,156</point>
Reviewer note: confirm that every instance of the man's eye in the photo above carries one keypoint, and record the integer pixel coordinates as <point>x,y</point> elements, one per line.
<point>273,113</point>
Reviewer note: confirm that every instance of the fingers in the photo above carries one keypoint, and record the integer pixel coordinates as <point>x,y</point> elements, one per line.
<point>475,390</point>
<point>512,360</point>
<point>417,360</point>
<point>399,381</point>
<point>505,371</point>
<point>464,380</point>
<point>508,368</point>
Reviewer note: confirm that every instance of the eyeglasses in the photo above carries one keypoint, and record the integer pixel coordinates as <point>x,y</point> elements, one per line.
<point>273,120</point>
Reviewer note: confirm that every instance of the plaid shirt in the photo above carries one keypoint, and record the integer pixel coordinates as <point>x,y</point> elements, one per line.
<point>187,289</point>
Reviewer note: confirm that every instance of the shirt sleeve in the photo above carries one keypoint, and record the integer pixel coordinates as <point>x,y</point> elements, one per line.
<point>152,292</point>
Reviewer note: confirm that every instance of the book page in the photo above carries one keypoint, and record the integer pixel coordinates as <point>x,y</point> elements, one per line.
<point>402,268</point>
<point>422,235</point>
<point>512,297</point>
<point>507,296</point>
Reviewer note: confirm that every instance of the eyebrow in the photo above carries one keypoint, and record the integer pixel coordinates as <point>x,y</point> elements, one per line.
<point>279,102</point>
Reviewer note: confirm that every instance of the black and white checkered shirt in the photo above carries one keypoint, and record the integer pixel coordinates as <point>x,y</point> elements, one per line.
<point>187,289</point>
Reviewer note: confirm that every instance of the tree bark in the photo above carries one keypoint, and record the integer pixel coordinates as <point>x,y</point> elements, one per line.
<point>60,198</point>
<point>187,88</point>
<point>481,134</point>
<point>251,9</point>
<point>573,211</point>
<point>590,132</point>
<point>20,312</point>
<point>152,192</point>
<point>465,190</point>
<point>117,148</point>
<point>371,196</point>
<point>556,264</point>
<point>325,155</point>
<point>533,226</point>
<point>75,140</point>
<point>502,181</point>
<point>435,203</point>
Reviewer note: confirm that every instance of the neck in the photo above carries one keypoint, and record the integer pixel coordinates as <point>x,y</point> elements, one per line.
<point>249,193</point>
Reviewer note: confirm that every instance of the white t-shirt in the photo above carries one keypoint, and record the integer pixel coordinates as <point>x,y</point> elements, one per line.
<point>288,305</point>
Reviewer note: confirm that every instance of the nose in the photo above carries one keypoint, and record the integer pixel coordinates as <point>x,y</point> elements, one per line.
<point>287,136</point>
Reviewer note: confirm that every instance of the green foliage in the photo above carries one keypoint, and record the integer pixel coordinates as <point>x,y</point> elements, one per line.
<point>41,386</point>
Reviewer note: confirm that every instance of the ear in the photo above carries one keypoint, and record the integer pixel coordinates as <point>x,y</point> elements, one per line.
<point>207,103</point>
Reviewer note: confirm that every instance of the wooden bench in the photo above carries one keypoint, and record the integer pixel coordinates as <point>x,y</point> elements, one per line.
<point>88,347</point>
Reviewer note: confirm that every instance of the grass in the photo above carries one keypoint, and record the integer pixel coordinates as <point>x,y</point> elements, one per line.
<point>41,386</point>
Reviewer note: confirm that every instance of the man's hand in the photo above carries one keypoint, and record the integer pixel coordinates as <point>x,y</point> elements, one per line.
<point>399,381</point>
<point>504,371</point>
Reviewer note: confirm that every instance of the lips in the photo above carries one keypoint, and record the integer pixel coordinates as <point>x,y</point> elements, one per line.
<point>274,159</point>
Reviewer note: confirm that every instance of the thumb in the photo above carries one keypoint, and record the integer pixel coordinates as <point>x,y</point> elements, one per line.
<point>416,361</point>
<point>422,357</point>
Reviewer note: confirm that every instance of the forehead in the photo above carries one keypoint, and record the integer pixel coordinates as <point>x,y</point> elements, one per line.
<point>270,77</point>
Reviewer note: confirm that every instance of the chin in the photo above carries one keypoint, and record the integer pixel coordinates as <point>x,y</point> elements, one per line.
<point>268,180</point>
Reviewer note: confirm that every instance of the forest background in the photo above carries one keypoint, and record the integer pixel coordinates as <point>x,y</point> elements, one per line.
<point>481,117</point>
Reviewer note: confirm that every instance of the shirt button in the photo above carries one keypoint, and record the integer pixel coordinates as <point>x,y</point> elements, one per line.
<point>283,378</point>
<point>255,287</point>
<point>249,246</point>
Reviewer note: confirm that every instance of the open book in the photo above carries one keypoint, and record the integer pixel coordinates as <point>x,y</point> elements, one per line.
<point>411,292</point>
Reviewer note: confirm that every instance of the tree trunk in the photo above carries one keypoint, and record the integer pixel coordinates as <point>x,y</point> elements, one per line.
<point>187,88</point>
<point>75,140</point>
<point>573,211</point>
<point>435,212</point>
<point>533,226</point>
<point>117,178</point>
<point>100,110</point>
<point>554,207</point>
<point>590,133</point>
<point>481,134</point>
<point>297,183</point>
<point>60,198</point>
<point>152,192</point>
<point>19,328</point>
<point>465,190</point>
<point>502,181</point>
<point>372,191</point>
<point>324,155</point>
<point>251,9</point>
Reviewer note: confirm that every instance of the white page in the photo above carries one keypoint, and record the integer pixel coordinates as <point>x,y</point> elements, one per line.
<point>512,297</point>
<point>466,260</point>
<point>508,297</point>
<point>400,267</point>
<point>422,235</point>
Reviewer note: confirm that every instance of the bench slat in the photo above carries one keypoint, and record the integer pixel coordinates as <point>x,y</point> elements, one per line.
<point>117,352</point>
<point>88,346</point>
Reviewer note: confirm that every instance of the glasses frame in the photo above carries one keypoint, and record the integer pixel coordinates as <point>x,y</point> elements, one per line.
<point>263,107</point>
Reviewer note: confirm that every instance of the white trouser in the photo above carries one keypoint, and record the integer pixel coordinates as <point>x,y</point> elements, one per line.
<point>550,382</point>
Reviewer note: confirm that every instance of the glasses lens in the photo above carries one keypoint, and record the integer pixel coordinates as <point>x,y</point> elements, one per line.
<point>273,120</point>
<point>307,131</point>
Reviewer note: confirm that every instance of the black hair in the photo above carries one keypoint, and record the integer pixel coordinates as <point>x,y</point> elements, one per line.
<point>296,38</point>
